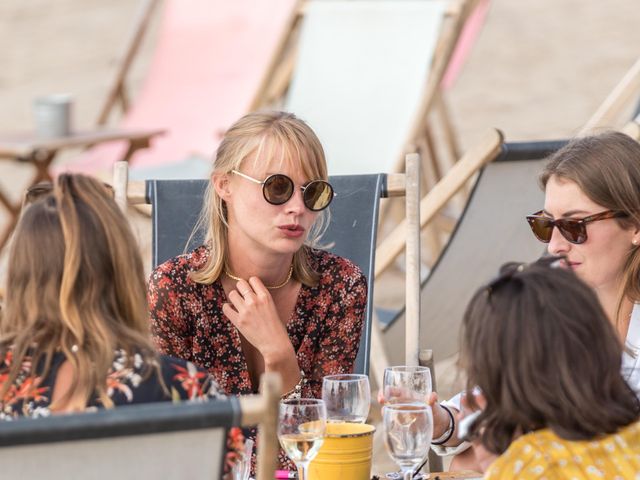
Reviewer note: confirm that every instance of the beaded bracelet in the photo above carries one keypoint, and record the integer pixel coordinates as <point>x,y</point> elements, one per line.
<point>296,391</point>
<point>444,438</point>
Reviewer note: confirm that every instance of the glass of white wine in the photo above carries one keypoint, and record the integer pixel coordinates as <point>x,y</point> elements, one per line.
<point>347,397</point>
<point>301,427</point>
<point>408,431</point>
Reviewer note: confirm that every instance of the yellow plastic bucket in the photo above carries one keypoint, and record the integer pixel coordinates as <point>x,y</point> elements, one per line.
<point>345,453</point>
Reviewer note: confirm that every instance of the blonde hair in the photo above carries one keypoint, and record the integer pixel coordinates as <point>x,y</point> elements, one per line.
<point>606,167</point>
<point>75,285</point>
<point>267,136</point>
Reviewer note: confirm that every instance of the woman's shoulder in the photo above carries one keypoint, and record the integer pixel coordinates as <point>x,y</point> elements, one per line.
<point>187,381</point>
<point>182,265</point>
<point>536,454</point>
<point>332,267</point>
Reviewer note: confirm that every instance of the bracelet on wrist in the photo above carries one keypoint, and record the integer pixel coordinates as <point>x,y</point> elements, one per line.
<point>296,391</point>
<point>446,436</point>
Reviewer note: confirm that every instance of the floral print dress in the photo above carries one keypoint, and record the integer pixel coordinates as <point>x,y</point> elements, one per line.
<point>324,328</point>
<point>30,395</point>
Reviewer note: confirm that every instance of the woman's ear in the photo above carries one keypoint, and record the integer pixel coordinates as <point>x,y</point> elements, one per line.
<point>635,239</point>
<point>222,184</point>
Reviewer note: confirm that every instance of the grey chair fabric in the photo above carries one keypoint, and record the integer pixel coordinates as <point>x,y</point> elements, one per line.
<point>160,440</point>
<point>491,231</point>
<point>351,232</point>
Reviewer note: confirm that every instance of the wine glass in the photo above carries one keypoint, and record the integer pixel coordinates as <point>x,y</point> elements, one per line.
<point>347,397</point>
<point>408,431</point>
<point>406,384</point>
<point>301,428</point>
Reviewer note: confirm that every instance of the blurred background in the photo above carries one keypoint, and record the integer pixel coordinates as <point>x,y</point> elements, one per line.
<point>535,70</point>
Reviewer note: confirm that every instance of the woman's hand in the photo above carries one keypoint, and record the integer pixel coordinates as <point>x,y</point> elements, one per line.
<point>440,416</point>
<point>254,314</point>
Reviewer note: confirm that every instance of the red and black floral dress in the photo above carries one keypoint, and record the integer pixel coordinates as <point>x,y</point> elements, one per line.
<point>30,394</point>
<point>324,328</point>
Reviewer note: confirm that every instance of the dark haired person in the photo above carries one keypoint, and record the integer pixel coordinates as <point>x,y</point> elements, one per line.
<point>591,215</point>
<point>539,345</point>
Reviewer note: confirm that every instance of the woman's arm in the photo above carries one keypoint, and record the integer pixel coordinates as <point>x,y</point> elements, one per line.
<point>343,325</point>
<point>169,326</point>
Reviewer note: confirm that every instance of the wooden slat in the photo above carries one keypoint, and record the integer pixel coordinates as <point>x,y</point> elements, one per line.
<point>439,195</point>
<point>263,410</point>
<point>412,288</point>
<point>117,90</point>
<point>617,100</point>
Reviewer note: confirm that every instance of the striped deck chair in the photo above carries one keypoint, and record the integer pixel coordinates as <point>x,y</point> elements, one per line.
<point>211,61</point>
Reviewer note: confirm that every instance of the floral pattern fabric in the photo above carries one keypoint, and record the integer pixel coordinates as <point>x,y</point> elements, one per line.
<point>543,455</point>
<point>30,394</point>
<point>324,328</point>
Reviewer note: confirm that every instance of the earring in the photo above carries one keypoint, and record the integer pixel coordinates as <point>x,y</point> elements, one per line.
<point>634,242</point>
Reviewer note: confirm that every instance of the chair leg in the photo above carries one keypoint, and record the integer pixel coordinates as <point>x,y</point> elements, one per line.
<point>426,360</point>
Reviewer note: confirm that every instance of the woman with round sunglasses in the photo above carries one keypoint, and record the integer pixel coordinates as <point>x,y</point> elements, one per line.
<point>257,296</point>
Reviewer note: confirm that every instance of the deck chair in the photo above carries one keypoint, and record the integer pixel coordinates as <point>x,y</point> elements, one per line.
<point>367,75</point>
<point>352,231</point>
<point>211,62</point>
<point>504,193</point>
<point>157,440</point>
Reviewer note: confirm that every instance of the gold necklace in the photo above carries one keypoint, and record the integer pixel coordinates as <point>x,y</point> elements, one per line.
<point>270,287</point>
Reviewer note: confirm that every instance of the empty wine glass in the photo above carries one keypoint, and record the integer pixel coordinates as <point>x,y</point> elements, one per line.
<point>404,384</point>
<point>301,428</point>
<point>408,431</point>
<point>347,397</point>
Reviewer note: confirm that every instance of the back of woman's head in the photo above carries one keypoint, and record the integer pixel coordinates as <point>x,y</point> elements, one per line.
<point>540,347</point>
<point>75,282</point>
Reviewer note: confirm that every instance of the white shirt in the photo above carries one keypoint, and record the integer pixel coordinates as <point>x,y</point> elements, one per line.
<point>631,361</point>
<point>630,372</point>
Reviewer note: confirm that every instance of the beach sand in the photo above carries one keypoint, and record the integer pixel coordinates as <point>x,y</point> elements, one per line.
<point>537,71</point>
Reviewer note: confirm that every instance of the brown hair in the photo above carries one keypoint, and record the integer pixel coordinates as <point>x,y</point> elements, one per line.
<point>268,135</point>
<point>539,345</point>
<point>76,285</point>
<point>606,167</point>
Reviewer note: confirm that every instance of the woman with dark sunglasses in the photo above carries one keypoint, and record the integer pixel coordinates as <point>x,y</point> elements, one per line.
<point>591,216</point>
<point>257,296</point>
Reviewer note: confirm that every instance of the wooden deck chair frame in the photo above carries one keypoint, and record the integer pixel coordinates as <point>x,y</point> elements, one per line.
<point>279,64</point>
<point>436,199</point>
<point>120,442</point>
<point>432,110</point>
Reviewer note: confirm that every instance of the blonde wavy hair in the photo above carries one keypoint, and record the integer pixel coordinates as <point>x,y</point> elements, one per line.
<point>267,136</point>
<point>75,285</point>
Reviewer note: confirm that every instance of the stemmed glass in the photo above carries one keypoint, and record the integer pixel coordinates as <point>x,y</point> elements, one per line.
<point>406,384</point>
<point>408,429</point>
<point>301,428</point>
<point>347,397</point>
